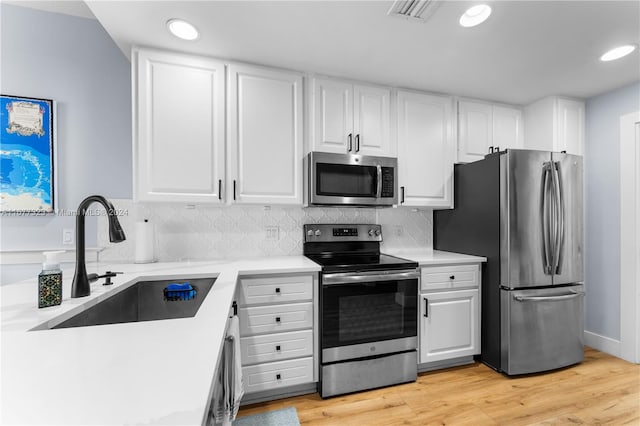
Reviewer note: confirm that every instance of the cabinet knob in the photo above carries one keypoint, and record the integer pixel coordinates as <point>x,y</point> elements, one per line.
<point>278,376</point>
<point>277,319</point>
<point>452,277</point>
<point>278,290</point>
<point>278,348</point>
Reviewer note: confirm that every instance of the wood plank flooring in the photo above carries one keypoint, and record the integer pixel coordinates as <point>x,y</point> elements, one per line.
<point>602,390</point>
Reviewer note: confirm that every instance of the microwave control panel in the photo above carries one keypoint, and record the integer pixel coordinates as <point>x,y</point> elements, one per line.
<point>387,182</point>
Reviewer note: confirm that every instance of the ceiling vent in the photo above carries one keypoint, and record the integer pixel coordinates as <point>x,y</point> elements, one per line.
<point>420,10</point>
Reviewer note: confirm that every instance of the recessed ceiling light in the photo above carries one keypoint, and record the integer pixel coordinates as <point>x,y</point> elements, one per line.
<point>182,29</point>
<point>475,15</point>
<point>618,52</point>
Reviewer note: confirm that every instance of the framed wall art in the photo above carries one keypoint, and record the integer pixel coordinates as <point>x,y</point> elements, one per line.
<point>27,155</point>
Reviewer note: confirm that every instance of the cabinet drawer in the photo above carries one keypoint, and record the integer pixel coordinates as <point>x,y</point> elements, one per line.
<point>450,276</point>
<point>275,289</point>
<point>272,319</point>
<point>277,374</point>
<point>276,347</point>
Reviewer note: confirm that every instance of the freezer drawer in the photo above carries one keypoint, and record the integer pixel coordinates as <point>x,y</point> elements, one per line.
<point>541,329</point>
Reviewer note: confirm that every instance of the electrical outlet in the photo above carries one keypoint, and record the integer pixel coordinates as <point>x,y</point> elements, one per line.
<point>272,233</point>
<point>67,236</point>
<point>399,230</point>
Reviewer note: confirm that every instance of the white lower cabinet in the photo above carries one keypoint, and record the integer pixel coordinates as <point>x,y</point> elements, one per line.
<point>276,347</point>
<point>449,312</point>
<point>278,342</point>
<point>262,377</point>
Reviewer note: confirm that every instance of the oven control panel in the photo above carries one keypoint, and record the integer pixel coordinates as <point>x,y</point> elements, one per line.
<point>339,232</point>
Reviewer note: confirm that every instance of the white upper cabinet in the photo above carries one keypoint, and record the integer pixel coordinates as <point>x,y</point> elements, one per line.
<point>483,127</point>
<point>555,124</point>
<point>570,128</point>
<point>350,118</point>
<point>426,149</point>
<point>371,121</point>
<point>264,135</point>
<point>179,119</point>
<point>508,130</point>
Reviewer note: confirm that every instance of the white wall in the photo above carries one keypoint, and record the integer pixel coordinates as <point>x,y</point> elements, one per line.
<point>602,203</point>
<point>74,62</point>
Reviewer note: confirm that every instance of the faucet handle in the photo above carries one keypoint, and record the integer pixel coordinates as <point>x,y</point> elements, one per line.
<point>108,276</point>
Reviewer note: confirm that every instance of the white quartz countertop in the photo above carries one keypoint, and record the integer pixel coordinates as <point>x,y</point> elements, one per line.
<point>436,257</point>
<point>152,372</point>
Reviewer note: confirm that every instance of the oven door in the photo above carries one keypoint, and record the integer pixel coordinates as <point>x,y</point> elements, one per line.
<point>368,313</point>
<point>343,179</point>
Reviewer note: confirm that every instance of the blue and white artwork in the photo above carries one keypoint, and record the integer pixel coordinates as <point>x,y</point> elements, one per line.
<point>26,155</point>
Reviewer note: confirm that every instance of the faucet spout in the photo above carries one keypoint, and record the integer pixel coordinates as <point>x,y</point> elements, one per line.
<point>80,286</point>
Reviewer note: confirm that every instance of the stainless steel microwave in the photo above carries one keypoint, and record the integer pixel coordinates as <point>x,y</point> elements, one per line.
<point>350,180</point>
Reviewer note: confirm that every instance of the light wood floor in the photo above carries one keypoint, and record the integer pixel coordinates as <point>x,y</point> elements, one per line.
<point>601,390</point>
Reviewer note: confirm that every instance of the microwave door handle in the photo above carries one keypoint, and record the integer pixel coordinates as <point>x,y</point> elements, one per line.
<point>379,181</point>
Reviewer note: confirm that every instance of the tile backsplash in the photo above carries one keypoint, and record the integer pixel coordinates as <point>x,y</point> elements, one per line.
<point>227,232</point>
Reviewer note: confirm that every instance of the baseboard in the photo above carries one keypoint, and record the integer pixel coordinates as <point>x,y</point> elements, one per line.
<point>602,343</point>
<point>271,395</point>
<point>439,365</point>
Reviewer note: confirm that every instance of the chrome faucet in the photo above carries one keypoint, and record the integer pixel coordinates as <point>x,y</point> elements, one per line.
<point>80,286</point>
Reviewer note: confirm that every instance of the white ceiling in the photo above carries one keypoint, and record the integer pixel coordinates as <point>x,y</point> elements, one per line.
<point>526,49</point>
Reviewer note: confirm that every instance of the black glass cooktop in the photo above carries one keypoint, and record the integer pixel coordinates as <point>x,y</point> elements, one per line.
<point>351,262</point>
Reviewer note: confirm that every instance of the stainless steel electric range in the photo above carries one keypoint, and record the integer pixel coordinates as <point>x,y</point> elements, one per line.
<point>368,309</point>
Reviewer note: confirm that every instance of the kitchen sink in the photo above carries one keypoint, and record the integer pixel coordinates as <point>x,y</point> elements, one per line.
<point>143,301</point>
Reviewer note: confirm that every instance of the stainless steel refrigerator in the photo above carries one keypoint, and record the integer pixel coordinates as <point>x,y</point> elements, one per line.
<point>523,210</point>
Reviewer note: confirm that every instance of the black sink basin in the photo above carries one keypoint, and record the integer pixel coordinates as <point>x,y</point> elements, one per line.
<point>143,301</point>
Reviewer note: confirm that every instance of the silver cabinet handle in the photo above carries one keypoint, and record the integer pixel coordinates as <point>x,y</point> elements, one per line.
<point>349,139</point>
<point>234,190</point>
<point>358,142</point>
<point>572,295</point>
<point>219,189</point>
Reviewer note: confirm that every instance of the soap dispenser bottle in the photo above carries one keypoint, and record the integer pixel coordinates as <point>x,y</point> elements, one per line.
<point>50,281</point>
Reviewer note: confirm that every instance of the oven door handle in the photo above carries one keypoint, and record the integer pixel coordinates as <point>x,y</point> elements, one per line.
<point>367,277</point>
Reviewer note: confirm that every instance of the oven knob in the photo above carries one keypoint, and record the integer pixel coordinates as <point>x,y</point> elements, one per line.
<point>377,232</point>
<point>371,232</point>
<point>310,232</point>
<point>318,232</point>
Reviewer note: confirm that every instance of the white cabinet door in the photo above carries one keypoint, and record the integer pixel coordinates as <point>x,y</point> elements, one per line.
<point>275,318</point>
<point>426,149</point>
<point>179,127</point>
<point>555,124</point>
<point>475,130</point>
<point>265,135</point>
<point>371,112</point>
<point>449,325</point>
<point>275,375</point>
<point>507,128</point>
<point>350,119</point>
<point>332,120</point>
<point>570,126</point>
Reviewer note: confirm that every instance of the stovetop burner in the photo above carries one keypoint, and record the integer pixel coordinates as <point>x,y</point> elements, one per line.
<point>350,248</point>
<point>360,262</point>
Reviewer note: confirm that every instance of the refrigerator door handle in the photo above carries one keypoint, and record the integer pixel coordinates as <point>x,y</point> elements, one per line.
<point>559,219</point>
<point>545,216</point>
<point>571,295</point>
